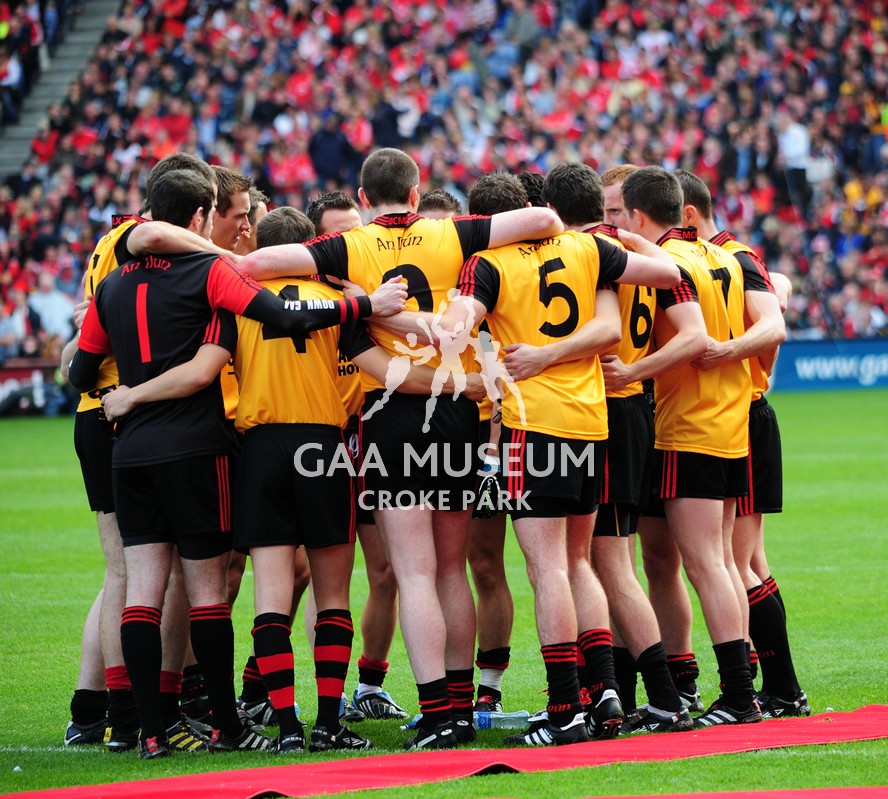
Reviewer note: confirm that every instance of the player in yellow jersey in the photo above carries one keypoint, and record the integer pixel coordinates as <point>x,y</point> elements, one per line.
<point>662,563</point>
<point>781,694</point>
<point>426,540</point>
<point>533,293</point>
<point>336,212</point>
<point>579,201</point>
<point>701,423</point>
<point>92,441</point>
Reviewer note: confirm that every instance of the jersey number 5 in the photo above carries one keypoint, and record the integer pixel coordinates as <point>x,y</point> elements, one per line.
<point>549,292</point>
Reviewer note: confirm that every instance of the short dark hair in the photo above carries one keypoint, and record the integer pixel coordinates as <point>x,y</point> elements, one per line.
<point>496,192</point>
<point>696,192</point>
<point>331,200</point>
<point>176,195</point>
<point>229,182</point>
<point>284,225</point>
<point>176,161</point>
<point>439,200</point>
<point>257,196</point>
<point>574,190</point>
<point>388,175</point>
<point>533,185</point>
<point>655,192</point>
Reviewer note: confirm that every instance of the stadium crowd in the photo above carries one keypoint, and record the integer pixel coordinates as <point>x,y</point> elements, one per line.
<point>779,106</point>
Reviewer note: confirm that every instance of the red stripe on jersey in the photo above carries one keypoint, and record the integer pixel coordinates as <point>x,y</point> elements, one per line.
<point>142,322</point>
<point>723,237</point>
<point>467,277</point>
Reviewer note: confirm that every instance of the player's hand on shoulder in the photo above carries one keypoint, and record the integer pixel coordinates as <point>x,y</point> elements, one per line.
<point>390,298</point>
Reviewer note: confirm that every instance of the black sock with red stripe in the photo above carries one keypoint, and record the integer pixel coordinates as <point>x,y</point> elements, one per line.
<point>372,672</point>
<point>212,639</point>
<point>434,703</point>
<point>561,677</point>
<point>596,647</point>
<point>733,669</point>
<point>334,633</point>
<point>753,660</point>
<point>767,628</point>
<point>122,714</point>
<point>684,670</point>
<point>274,663</point>
<point>140,642</point>
<point>89,707</point>
<point>493,663</point>
<point>771,584</point>
<point>461,690</point>
<point>626,674</point>
<point>253,684</point>
<point>170,694</point>
<point>658,684</point>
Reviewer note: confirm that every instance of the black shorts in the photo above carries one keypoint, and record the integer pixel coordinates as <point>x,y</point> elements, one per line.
<point>185,502</point>
<point>351,434</point>
<point>549,476</point>
<point>405,467</point>
<point>294,486</point>
<point>93,435</point>
<point>627,469</point>
<point>691,474</point>
<point>765,462</point>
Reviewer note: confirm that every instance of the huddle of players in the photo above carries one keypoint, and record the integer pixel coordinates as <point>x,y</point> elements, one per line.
<point>557,358</point>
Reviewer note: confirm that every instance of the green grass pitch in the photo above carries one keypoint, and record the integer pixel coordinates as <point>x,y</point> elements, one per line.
<point>828,551</point>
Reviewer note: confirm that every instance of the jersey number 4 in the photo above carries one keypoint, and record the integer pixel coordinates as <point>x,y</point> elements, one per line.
<point>288,293</point>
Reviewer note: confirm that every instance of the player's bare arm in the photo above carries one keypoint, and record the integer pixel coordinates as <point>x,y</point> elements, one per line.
<point>766,332</point>
<point>523,223</point>
<point>176,383</point>
<point>647,264</point>
<point>594,337</point>
<point>163,238</point>
<point>689,342</point>
<point>282,260</point>
<point>419,379</point>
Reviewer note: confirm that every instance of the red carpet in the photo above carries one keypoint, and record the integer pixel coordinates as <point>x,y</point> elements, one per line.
<point>382,771</point>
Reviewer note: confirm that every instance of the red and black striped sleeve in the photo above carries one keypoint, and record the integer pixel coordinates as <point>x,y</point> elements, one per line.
<point>685,291</point>
<point>480,280</point>
<point>222,330</point>
<point>473,232</point>
<point>755,273</point>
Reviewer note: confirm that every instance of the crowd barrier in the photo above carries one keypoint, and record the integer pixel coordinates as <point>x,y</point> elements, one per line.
<point>834,364</point>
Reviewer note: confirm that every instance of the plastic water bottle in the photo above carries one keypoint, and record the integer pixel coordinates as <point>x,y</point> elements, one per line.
<point>494,720</point>
<point>487,720</point>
